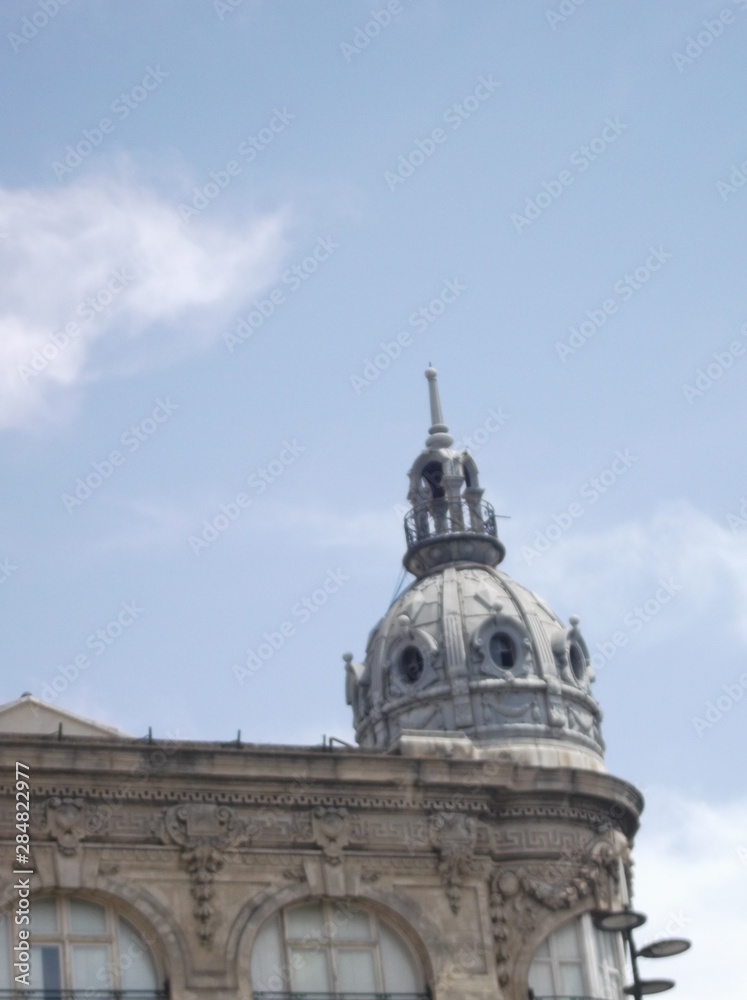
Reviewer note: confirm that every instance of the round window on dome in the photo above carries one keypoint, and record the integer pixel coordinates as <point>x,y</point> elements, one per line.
<point>411,664</point>
<point>578,661</point>
<point>502,650</point>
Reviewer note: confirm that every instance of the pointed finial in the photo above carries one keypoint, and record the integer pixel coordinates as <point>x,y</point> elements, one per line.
<point>439,436</point>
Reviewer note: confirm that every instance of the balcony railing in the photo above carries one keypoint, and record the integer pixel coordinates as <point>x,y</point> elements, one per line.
<point>445,516</point>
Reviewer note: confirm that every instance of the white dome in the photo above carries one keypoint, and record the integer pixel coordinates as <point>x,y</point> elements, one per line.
<point>466,649</point>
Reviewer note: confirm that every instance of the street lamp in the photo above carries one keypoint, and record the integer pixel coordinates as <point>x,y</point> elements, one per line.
<point>624,922</point>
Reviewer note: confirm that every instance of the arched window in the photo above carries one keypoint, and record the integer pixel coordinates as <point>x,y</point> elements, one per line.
<point>77,945</point>
<point>432,477</point>
<point>577,960</point>
<point>330,948</point>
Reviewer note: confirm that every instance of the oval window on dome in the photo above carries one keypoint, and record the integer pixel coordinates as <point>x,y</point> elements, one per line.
<point>578,661</point>
<point>502,650</point>
<point>411,664</point>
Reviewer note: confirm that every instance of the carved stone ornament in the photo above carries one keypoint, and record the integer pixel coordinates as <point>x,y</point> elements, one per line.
<point>518,894</point>
<point>296,874</point>
<point>453,837</point>
<point>68,821</point>
<point>331,832</point>
<point>204,832</point>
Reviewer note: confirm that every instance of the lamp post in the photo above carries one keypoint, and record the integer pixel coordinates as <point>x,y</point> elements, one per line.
<point>625,922</point>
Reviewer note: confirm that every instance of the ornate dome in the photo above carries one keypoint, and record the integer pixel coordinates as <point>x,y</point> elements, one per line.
<point>466,651</point>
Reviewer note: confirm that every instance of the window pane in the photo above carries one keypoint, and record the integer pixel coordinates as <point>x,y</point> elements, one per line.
<point>90,966</point>
<point>566,944</point>
<point>135,960</point>
<point>400,974</point>
<point>350,926</point>
<point>44,916</point>
<point>540,979</point>
<point>45,968</point>
<point>544,949</point>
<point>269,972</point>
<point>5,959</point>
<point>309,970</point>
<point>305,922</point>
<point>355,971</point>
<point>572,980</point>
<point>87,918</point>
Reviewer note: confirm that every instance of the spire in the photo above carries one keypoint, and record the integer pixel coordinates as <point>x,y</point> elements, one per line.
<point>439,436</point>
<point>449,522</point>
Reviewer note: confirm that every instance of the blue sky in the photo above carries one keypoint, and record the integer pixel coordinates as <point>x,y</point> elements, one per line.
<point>220,222</point>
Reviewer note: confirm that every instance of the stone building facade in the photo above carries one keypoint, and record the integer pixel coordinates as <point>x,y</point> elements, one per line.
<point>455,854</point>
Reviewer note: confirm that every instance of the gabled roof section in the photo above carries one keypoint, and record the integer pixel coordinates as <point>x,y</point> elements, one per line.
<point>31,717</point>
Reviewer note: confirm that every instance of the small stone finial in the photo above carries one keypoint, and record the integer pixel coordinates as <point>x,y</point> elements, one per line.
<point>347,657</point>
<point>574,620</point>
<point>439,436</point>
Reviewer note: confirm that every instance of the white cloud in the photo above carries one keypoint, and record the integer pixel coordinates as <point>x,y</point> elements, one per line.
<point>178,286</point>
<point>690,876</point>
<point>705,557</point>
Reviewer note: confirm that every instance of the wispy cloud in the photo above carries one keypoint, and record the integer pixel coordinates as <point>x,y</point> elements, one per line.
<point>101,276</point>
<point>704,556</point>
<point>690,871</point>
<point>145,524</point>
